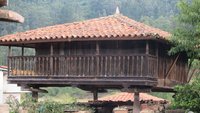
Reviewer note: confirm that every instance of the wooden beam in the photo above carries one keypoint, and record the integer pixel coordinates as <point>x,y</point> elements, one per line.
<point>172,66</point>
<point>189,67</point>
<point>22,50</point>
<point>147,47</point>
<point>51,49</point>
<point>97,47</point>
<point>157,60</point>
<point>62,49</point>
<point>38,90</point>
<point>191,75</point>
<point>146,69</point>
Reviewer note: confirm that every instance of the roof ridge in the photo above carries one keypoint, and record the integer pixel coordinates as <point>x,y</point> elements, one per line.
<point>123,19</point>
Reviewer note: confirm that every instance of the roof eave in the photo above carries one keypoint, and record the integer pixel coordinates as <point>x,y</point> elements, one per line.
<point>20,43</point>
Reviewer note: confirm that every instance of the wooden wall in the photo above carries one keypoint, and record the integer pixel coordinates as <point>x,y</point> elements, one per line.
<point>157,49</point>
<point>178,73</point>
<point>88,48</point>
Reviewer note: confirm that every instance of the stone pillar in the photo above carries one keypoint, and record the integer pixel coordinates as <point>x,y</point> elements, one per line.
<point>136,106</point>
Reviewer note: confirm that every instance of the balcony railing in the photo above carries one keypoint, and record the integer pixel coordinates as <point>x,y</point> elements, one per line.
<point>84,66</point>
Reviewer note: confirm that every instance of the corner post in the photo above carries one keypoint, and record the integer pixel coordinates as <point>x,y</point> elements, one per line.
<point>22,60</point>
<point>8,60</point>
<point>157,59</point>
<point>136,106</point>
<point>147,58</point>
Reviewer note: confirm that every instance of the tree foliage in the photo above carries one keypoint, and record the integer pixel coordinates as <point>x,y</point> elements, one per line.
<point>188,96</point>
<point>187,35</point>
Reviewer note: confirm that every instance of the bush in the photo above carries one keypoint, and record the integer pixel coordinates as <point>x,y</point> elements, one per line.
<point>47,106</point>
<point>13,104</point>
<point>188,96</point>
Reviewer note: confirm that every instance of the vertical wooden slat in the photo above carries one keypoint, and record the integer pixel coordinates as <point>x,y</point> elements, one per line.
<point>39,66</point>
<point>119,65</point>
<point>88,66</point>
<point>128,65</point>
<point>110,66</point>
<point>124,66</point>
<point>142,63</point>
<point>106,66</point>
<point>114,66</point>
<point>92,69</point>
<point>132,66</point>
<point>79,66</point>
<point>84,65</point>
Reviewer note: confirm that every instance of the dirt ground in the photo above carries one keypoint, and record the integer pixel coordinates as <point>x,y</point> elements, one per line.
<point>4,108</point>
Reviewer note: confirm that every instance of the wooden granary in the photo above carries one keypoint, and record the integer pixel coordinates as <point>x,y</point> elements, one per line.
<point>97,54</point>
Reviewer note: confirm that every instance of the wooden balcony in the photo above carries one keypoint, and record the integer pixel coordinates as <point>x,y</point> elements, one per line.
<point>133,70</point>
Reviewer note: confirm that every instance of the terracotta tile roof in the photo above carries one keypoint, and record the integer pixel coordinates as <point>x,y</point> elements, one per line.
<point>109,27</point>
<point>124,96</point>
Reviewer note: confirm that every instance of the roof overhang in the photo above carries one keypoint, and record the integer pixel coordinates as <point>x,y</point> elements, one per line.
<point>10,16</point>
<point>28,42</point>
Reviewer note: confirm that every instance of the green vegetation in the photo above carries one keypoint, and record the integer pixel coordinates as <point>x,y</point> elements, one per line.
<point>186,37</point>
<point>167,96</point>
<point>64,95</point>
<point>188,96</point>
<point>47,106</point>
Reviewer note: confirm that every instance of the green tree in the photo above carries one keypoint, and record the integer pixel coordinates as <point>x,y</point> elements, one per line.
<point>187,35</point>
<point>188,96</point>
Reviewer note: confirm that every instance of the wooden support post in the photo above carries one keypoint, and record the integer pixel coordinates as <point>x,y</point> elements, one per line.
<point>136,106</point>
<point>35,96</point>
<point>95,95</point>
